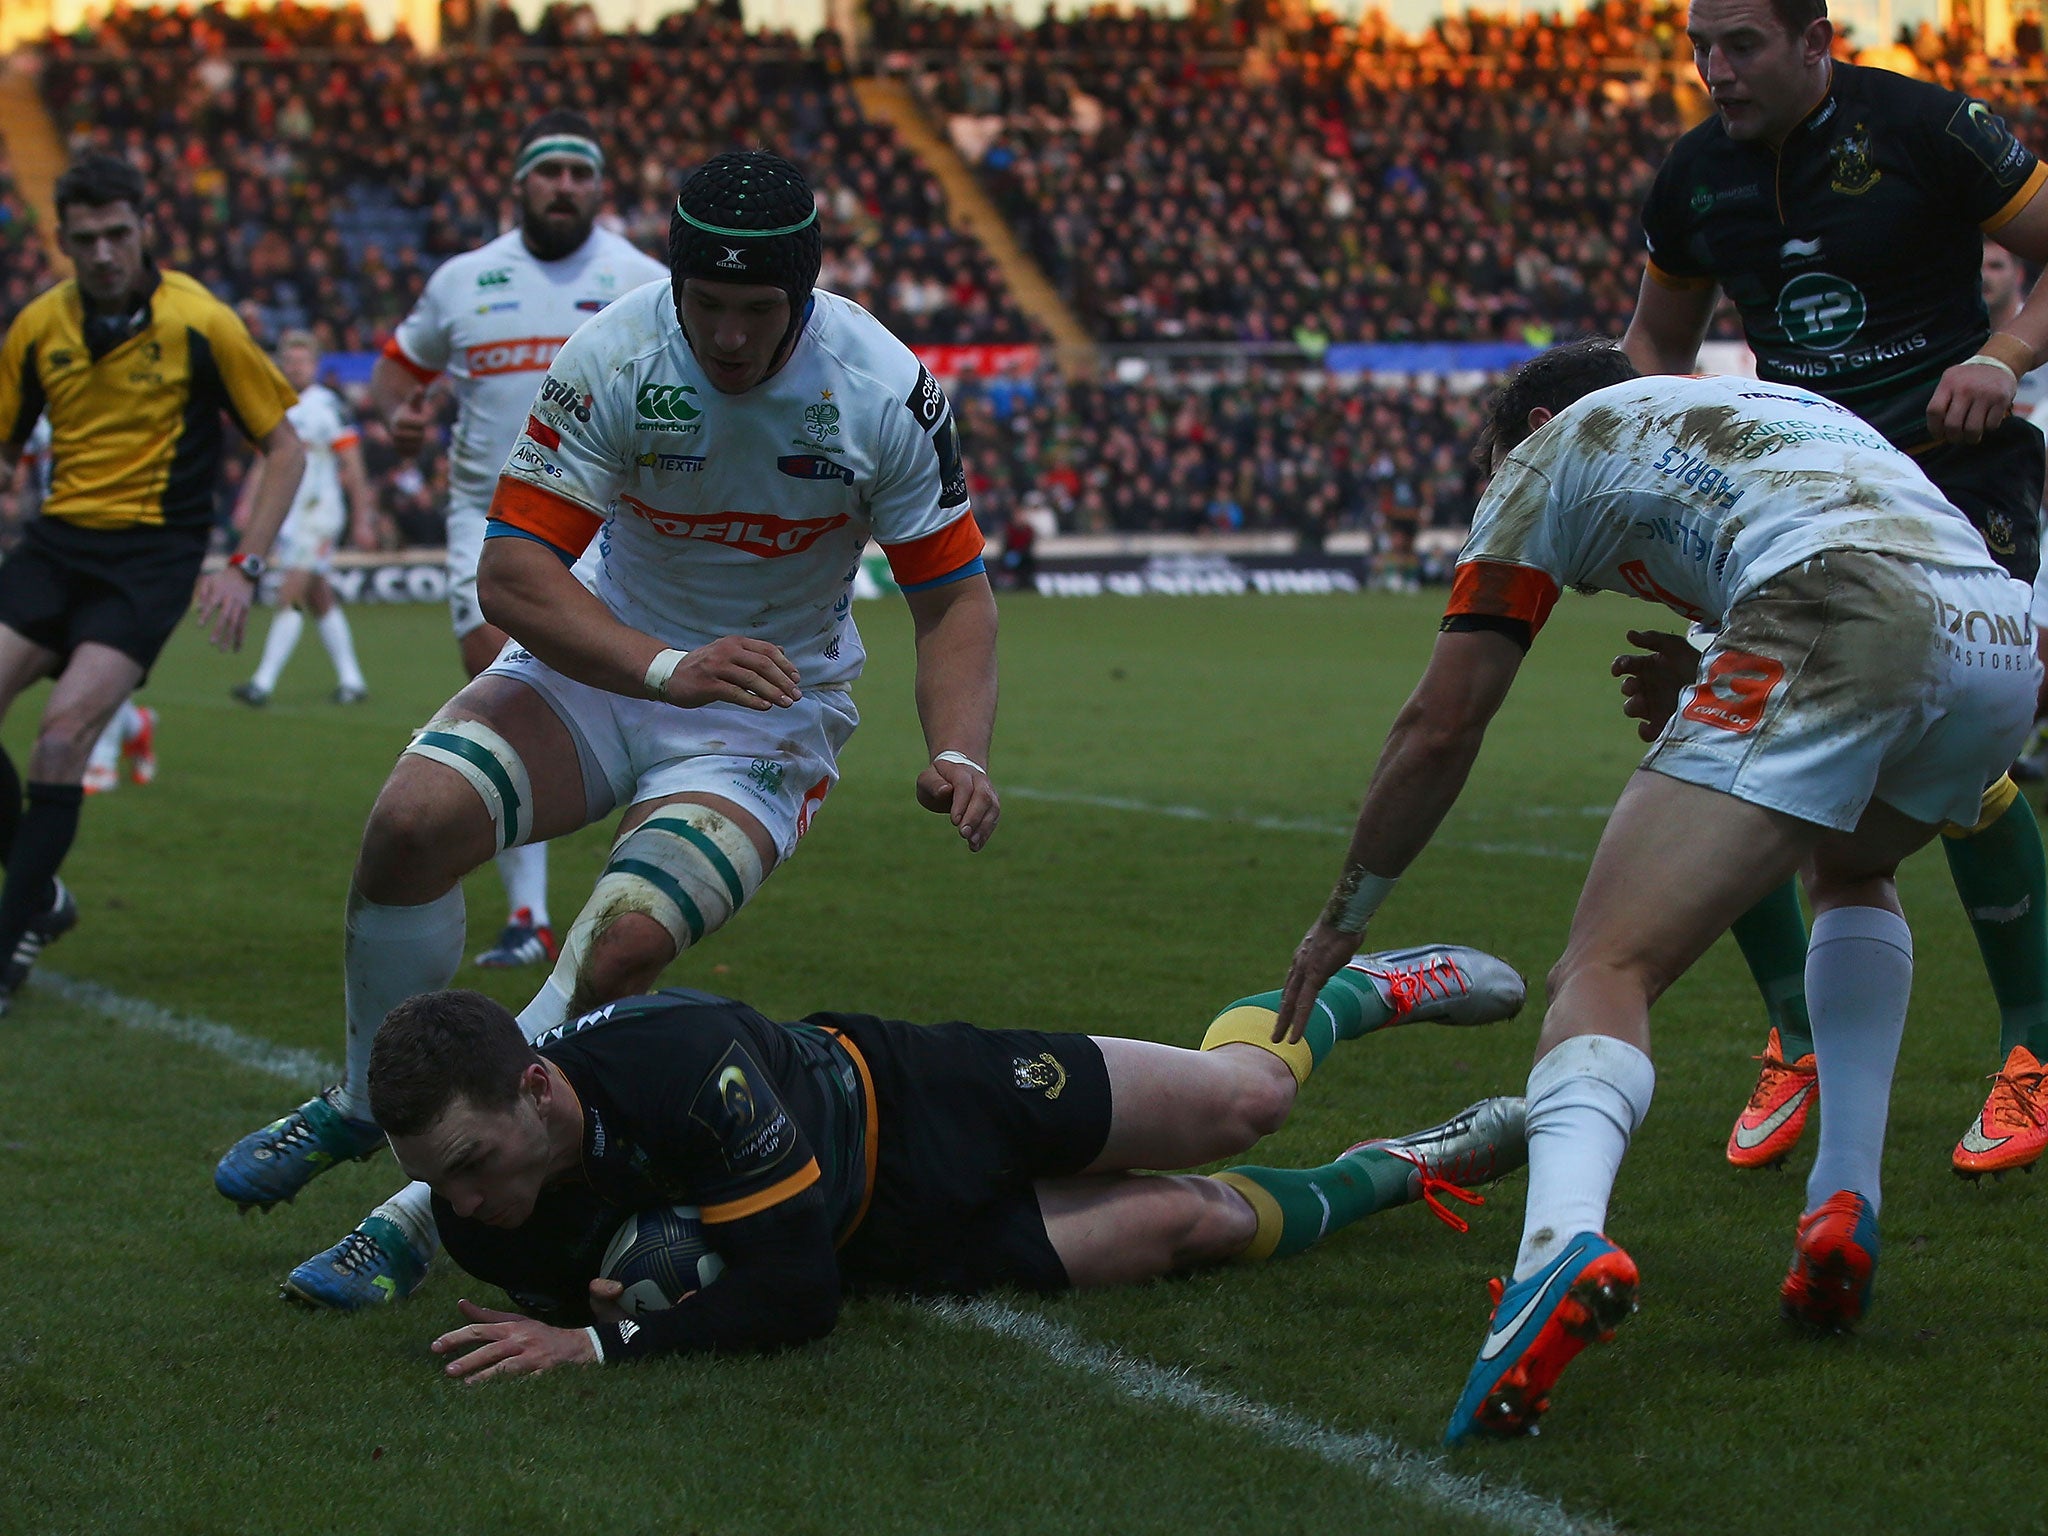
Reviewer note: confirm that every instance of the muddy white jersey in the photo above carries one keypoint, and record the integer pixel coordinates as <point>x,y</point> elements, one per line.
<point>492,319</point>
<point>1692,493</point>
<point>742,514</point>
<point>323,425</point>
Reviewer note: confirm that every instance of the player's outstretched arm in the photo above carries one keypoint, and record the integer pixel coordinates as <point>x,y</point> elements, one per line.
<point>1421,772</point>
<point>398,398</point>
<point>956,703</point>
<point>1669,324</point>
<point>526,590</point>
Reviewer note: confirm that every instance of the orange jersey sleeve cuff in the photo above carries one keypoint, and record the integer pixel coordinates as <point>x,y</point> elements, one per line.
<point>763,1199</point>
<point>346,440</point>
<point>937,555</point>
<point>1495,590</point>
<point>1676,283</point>
<point>2017,201</point>
<point>556,520</point>
<point>396,353</point>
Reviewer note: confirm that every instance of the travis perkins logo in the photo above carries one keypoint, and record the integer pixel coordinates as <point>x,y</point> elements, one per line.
<point>761,534</point>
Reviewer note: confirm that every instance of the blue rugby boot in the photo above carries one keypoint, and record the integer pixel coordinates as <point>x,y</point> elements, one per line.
<point>1539,1326</point>
<point>372,1267</point>
<point>278,1161</point>
<point>1834,1259</point>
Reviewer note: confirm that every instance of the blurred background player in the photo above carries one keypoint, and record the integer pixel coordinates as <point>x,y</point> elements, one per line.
<point>2005,282</point>
<point>334,466</point>
<point>135,367</point>
<point>700,678</point>
<point>848,1154</point>
<point>492,320</point>
<point>1843,209</point>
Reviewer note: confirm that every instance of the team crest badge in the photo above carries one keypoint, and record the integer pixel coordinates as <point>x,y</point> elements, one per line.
<point>1040,1073</point>
<point>1854,175</point>
<point>821,420</point>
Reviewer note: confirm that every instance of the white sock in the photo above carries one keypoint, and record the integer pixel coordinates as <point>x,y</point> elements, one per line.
<point>390,954</point>
<point>106,752</point>
<point>525,873</point>
<point>285,627</point>
<point>411,1210</point>
<point>550,1006</point>
<point>341,647</point>
<point>1859,974</point>
<point>1586,1099</point>
<point>128,721</point>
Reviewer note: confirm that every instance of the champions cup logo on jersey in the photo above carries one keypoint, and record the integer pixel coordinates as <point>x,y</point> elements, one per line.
<point>531,354</point>
<point>756,533</point>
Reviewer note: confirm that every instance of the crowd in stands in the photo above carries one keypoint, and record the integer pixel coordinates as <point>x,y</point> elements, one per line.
<point>317,181</point>
<point>24,258</point>
<point>1261,449</point>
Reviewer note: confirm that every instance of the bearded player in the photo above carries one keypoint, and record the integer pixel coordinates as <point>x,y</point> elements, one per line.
<point>724,444</point>
<point>492,320</point>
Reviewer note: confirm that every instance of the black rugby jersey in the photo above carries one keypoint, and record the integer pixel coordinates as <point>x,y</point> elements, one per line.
<point>1852,251</point>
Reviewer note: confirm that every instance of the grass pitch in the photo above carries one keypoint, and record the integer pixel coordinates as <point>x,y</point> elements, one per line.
<point>1179,773</point>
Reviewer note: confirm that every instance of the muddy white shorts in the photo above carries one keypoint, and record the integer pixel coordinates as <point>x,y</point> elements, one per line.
<point>777,763</point>
<point>306,541</point>
<point>1856,677</point>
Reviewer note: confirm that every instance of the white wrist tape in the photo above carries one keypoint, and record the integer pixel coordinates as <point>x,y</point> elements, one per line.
<point>660,670</point>
<point>963,760</point>
<point>1995,362</point>
<point>596,1343</point>
<point>1357,897</point>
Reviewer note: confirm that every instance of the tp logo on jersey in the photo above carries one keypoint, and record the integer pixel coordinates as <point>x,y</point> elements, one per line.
<point>667,408</point>
<point>1820,311</point>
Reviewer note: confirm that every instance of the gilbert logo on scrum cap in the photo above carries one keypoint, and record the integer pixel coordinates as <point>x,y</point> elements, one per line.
<point>734,257</point>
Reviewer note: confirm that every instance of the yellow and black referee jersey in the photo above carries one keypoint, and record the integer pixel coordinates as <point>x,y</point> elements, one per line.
<point>135,430</point>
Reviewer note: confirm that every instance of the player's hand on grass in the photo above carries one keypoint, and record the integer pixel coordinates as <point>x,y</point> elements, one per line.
<point>1324,952</point>
<point>1971,400</point>
<point>1652,681</point>
<point>221,602</point>
<point>409,425</point>
<point>735,670</point>
<point>965,793</point>
<point>507,1344</point>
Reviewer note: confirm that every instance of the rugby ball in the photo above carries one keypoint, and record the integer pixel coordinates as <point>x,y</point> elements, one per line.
<point>659,1255</point>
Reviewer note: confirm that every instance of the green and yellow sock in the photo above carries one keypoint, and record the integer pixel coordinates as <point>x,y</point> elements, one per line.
<point>1772,937</point>
<point>2002,877</point>
<point>1348,1006</point>
<point>1298,1207</point>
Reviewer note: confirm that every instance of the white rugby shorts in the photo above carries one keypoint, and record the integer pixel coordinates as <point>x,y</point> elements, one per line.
<point>1861,676</point>
<point>306,542</point>
<point>777,763</point>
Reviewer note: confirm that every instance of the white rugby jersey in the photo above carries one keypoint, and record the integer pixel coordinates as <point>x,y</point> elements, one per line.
<point>492,319</point>
<point>1693,493</point>
<point>321,421</point>
<point>742,514</point>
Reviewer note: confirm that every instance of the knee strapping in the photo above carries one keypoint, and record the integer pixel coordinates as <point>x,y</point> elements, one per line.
<point>687,867</point>
<point>1991,809</point>
<point>493,770</point>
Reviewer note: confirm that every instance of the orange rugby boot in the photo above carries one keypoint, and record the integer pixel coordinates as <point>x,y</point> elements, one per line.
<point>2011,1131</point>
<point>1771,1124</point>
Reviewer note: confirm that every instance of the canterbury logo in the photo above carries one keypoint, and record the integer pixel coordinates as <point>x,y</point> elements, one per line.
<point>530,355</point>
<point>666,405</point>
<point>757,533</point>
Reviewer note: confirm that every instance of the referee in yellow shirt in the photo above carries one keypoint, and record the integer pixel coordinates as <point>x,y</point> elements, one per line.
<point>134,367</point>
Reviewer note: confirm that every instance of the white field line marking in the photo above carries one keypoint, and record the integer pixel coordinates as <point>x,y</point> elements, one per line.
<point>306,1069</point>
<point>1386,1461</point>
<point>1288,823</point>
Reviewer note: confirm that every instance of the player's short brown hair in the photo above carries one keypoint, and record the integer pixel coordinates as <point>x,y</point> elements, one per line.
<point>1551,380</point>
<point>441,1046</point>
<point>1797,15</point>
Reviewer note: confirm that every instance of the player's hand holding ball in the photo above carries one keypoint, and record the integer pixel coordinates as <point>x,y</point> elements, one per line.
<point>733,669</point>
<point>954,785</point>
<point>1652,681</point>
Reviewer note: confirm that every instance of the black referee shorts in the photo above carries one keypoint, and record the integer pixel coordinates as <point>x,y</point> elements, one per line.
<point>125,587</point>
<point>1997,485</point>
<point>966,1120</point>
